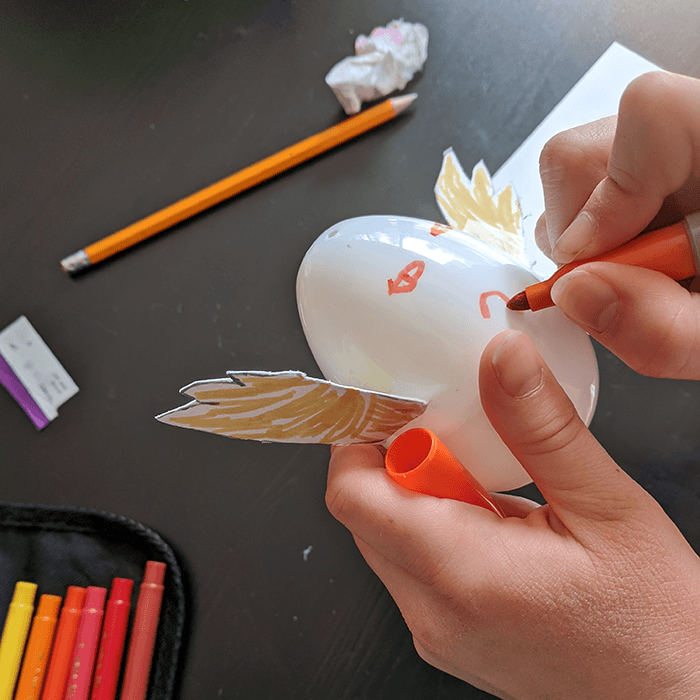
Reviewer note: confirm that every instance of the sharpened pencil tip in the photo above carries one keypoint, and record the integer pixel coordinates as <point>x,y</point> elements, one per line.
<point>402,101</point>
<point>519,303</point>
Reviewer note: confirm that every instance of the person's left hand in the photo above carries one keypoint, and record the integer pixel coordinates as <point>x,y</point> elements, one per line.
<point>594,596</point>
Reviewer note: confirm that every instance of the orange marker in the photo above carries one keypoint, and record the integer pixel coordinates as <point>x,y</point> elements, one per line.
<point>36,655</point>
<point>673,250</point>
<point>238,182</point>
<point>419,461</point>
<point>62,652</point>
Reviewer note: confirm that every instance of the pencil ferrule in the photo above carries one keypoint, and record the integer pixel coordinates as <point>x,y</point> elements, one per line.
<point>75,262</point>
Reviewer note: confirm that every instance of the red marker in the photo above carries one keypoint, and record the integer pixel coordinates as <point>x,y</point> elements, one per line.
<point>143,635</point>
<point>418,461</point>
<point>85,648</point>
<point>109,657</point>
<point>673,250</point>
<point>62,652</point>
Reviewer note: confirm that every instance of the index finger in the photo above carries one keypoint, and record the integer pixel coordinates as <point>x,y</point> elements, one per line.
<point>655,150</point>
<point>572,163</point>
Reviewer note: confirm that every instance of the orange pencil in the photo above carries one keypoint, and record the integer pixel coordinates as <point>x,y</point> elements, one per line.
<point>673,250</point>
<point>62,653</point>
<point>36,655</point>
<point>237,183</point>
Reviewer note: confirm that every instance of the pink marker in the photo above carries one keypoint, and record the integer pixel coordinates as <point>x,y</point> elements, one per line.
<point>86,642</point>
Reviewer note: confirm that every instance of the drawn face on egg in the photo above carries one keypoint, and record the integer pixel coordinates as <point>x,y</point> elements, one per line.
<point>405,307</point>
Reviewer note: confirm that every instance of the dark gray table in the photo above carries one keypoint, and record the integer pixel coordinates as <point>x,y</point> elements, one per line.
<point>112,110</point>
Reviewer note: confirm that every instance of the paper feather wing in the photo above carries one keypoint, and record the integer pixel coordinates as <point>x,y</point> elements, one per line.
<point>471,205</point>
<point>291,407</point>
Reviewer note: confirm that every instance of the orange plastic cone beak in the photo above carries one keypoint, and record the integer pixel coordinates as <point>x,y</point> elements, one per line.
<point>418,461</point>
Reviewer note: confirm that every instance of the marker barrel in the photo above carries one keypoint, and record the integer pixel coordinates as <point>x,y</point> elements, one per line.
<point>14,635</point>
<point>143,635</point>
<point>109,656</point>
<point>36,656</point>
<point>671,250</point>
<point>62,652</point>
<point>86,641</point>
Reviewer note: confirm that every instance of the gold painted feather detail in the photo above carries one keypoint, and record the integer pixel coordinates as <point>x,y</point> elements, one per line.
<point>291,407</point>
<point>472,206</point>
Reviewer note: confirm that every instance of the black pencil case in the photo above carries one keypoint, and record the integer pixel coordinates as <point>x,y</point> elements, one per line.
<point>56,547</point>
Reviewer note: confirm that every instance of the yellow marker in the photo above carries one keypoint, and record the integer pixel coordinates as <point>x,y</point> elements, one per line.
<point>14,635</point>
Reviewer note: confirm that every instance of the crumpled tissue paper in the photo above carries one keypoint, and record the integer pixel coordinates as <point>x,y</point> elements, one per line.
<point>385,61</point>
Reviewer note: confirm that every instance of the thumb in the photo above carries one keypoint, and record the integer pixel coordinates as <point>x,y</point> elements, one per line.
<point>655,150</point>
<point>539,424</point>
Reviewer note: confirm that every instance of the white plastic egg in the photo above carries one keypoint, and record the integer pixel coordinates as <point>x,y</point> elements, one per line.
<point>405,307</point>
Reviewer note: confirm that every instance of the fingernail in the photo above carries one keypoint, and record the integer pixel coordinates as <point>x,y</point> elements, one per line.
<point>542,237</point>
<point>574,240</point>
<point>517,365</point>
<point>587,299</point>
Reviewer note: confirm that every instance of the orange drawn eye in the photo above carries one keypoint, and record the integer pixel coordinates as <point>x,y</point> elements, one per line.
<point>407,279</point>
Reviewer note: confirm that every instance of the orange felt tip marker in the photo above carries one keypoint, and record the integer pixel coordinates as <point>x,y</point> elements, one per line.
<point>673,250</point>
<point>36,655</point>
<point>62,652</point>
<point>417,460</point>
<point>238,182</point>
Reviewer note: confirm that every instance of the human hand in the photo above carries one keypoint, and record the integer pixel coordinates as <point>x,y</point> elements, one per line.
<point>595,595</point>
<point>606,182</point>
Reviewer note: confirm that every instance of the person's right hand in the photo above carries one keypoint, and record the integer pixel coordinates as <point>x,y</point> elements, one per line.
<point>606,182</point>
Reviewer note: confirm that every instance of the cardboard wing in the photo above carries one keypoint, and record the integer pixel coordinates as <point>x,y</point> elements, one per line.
<point>291,407</point>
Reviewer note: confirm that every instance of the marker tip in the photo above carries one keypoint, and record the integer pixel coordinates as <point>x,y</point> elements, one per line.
<point>519,302</point>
